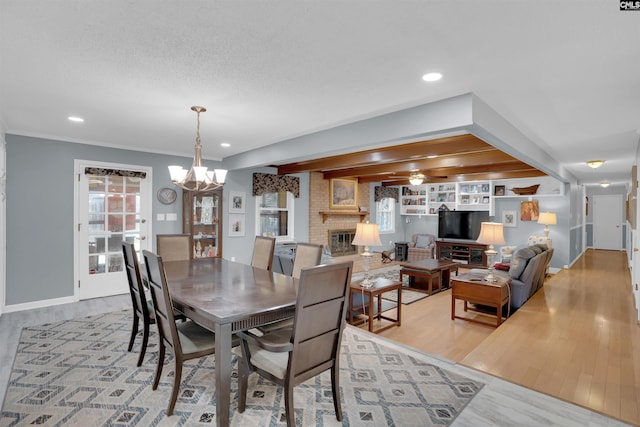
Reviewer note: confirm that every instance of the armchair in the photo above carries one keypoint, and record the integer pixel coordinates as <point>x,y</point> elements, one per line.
<point>421,246</point>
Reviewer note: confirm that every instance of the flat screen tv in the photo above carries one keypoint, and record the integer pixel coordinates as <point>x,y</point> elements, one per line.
<point>463,225</point>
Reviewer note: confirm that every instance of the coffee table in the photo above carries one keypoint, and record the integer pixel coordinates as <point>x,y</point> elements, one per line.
<point>472,288</point>
<point>380,286</point>
<point>435,271</point>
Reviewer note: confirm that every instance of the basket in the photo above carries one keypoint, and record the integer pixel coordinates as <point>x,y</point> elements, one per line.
<point>525,191</point>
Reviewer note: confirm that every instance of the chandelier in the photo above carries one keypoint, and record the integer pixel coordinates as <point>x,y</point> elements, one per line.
<point>416,178</point>
<point>198,178</point>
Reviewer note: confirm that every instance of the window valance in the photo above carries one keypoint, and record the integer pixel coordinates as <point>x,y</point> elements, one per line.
<point>380,193</point>
<point>270,183</point>
<point>113,172</point>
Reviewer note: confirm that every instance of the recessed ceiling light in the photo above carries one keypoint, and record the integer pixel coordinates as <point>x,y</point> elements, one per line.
<point>75,119</point>
<point>225,144</point>
<point>432,77</point>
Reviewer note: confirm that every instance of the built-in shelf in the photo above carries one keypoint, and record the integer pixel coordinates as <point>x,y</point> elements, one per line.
<point>327,214</point>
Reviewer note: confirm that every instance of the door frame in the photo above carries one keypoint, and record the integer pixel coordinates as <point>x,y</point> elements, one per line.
<point>78,167</point>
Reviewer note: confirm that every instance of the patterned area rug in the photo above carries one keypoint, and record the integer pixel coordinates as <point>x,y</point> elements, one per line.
<point>78,373</point>
<point>393,273</point>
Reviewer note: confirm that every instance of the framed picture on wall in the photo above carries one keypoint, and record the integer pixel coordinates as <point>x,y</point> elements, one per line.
<point>498,190</point>
<point>236,225</point>
<point>236,202</point>
<point>509,218</point>
<point>343,193</point>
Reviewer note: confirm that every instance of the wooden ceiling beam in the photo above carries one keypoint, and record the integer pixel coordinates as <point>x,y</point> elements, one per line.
<point>398,153</point>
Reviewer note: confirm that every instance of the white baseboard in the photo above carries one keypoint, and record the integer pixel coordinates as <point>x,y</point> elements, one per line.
<point>554,270</point>
<point>37,304</point>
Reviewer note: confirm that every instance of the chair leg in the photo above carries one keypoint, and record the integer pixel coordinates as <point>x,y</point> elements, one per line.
<point>134,330</point>
<point>156,380</point>
<point>243,379</point>
<point>145,341</point>
<point>335,389</point>
<point>176,384</point>
<point>288,405</point>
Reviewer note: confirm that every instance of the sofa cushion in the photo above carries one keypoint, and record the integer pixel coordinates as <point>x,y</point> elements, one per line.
<point>424,241</point>
<point>519,261</point>
<point>537,249</point>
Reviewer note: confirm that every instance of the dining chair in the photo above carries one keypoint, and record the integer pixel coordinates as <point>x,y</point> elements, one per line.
<point>187,339</point>
<point>174,247</point>
<point>138,299</point>
<point>263,248</point>
<point>307,255</point>
<point>291,356</point>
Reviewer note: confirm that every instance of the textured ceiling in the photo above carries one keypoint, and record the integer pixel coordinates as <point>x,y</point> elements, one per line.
<point>566,74</point>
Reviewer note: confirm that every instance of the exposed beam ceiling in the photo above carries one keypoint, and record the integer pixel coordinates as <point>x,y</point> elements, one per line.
<point>455,158</point>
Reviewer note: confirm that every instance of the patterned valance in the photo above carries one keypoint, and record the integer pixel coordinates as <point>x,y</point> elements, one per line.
<point>269,183</point>
<point>380,193</point>
<point>114,172</point>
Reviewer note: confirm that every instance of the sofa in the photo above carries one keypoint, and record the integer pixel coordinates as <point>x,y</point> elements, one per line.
<point>527,271</point>
<point>421,246</point>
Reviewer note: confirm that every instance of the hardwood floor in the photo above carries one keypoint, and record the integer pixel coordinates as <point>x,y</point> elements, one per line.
<point>577,339</point>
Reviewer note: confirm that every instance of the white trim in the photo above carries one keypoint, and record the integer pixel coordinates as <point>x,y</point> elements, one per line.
<point>38,304</point>
<point>3,219</point>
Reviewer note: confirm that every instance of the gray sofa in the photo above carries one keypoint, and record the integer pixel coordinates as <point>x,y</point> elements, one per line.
<point>527,271</point>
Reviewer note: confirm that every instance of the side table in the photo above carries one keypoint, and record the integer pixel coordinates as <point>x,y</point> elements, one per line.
<point>374,295</point>
<point>472,288</point>
<point>402,248</point>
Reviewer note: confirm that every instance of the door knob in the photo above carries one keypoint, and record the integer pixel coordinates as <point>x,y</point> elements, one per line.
<point>635,249</point>
<point>143,237</point>
<point>143,220</point>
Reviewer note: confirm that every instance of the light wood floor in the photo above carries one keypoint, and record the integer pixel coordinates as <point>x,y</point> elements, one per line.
<point>577,339</point>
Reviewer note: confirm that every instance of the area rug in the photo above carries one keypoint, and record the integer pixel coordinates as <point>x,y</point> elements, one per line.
<point>79,373</point>
<point>393,273</point>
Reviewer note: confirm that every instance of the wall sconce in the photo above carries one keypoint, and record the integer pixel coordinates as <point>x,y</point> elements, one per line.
<point>547,218</point>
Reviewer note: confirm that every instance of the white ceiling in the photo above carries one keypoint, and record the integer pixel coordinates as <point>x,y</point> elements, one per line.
<point>567,74</point>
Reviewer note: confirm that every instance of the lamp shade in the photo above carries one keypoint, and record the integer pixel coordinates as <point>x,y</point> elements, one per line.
<point>367,235</point>
<point>547,218</point>
<point>491,233</point>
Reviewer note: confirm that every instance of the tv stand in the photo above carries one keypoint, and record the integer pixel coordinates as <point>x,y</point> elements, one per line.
<point>470,254</point>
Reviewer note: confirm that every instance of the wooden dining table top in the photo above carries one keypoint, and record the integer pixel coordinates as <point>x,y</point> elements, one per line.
<point>227,291</point>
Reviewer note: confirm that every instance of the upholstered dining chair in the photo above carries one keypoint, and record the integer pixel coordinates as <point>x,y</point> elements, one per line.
<point>138,299</point>
<point>263,249</point>
<point>293,355</point>
<point>187,339</point>
<point>174,247</point>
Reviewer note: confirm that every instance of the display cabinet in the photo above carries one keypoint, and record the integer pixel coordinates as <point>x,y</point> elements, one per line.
<point>202,218</point>
<point>470,254</point>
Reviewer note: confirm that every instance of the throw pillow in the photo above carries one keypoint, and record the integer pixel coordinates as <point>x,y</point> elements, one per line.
<point>423,241</point>
<point>519,262</point>
<point>504,266</point>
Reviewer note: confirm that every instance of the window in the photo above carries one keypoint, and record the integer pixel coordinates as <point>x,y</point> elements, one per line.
<point>275,215</point>
<point>386,215</point>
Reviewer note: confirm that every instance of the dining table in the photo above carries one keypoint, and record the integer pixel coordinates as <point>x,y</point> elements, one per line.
<point>226,297</point>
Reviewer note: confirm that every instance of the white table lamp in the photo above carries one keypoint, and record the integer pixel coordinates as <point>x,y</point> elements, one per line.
<point>366,235</point>
<point>547,218</point>
<point>491,233</point>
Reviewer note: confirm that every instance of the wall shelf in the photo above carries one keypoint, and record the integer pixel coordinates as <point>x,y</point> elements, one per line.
<point>327,214</point>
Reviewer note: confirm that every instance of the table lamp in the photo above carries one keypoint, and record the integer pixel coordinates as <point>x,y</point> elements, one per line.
<point>366,235</point>
<point>491,233</point>
<point>547,218</point>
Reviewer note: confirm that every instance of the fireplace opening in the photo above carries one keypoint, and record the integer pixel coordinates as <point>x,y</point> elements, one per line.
<point>340,242</point>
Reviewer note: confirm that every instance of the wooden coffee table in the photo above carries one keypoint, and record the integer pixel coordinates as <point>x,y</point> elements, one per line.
<point>380,286</point>
<point>435,271</point>
<point>472,288</point>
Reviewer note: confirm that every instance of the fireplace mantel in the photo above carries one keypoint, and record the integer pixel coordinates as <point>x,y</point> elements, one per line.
<point>327,214</point>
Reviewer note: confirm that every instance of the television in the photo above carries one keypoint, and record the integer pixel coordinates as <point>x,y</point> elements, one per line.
<point>463,225</point>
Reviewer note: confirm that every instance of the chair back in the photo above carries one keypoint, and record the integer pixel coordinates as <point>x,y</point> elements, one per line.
<point>307,255</point>
<point>162,305</point>
<point>319,320</point>
<point>263,248</point>
<point>174,247</point>
<point>136,288</point>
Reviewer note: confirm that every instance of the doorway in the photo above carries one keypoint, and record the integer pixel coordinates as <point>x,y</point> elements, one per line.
<point>607,222</point>
<point>112,204</point>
